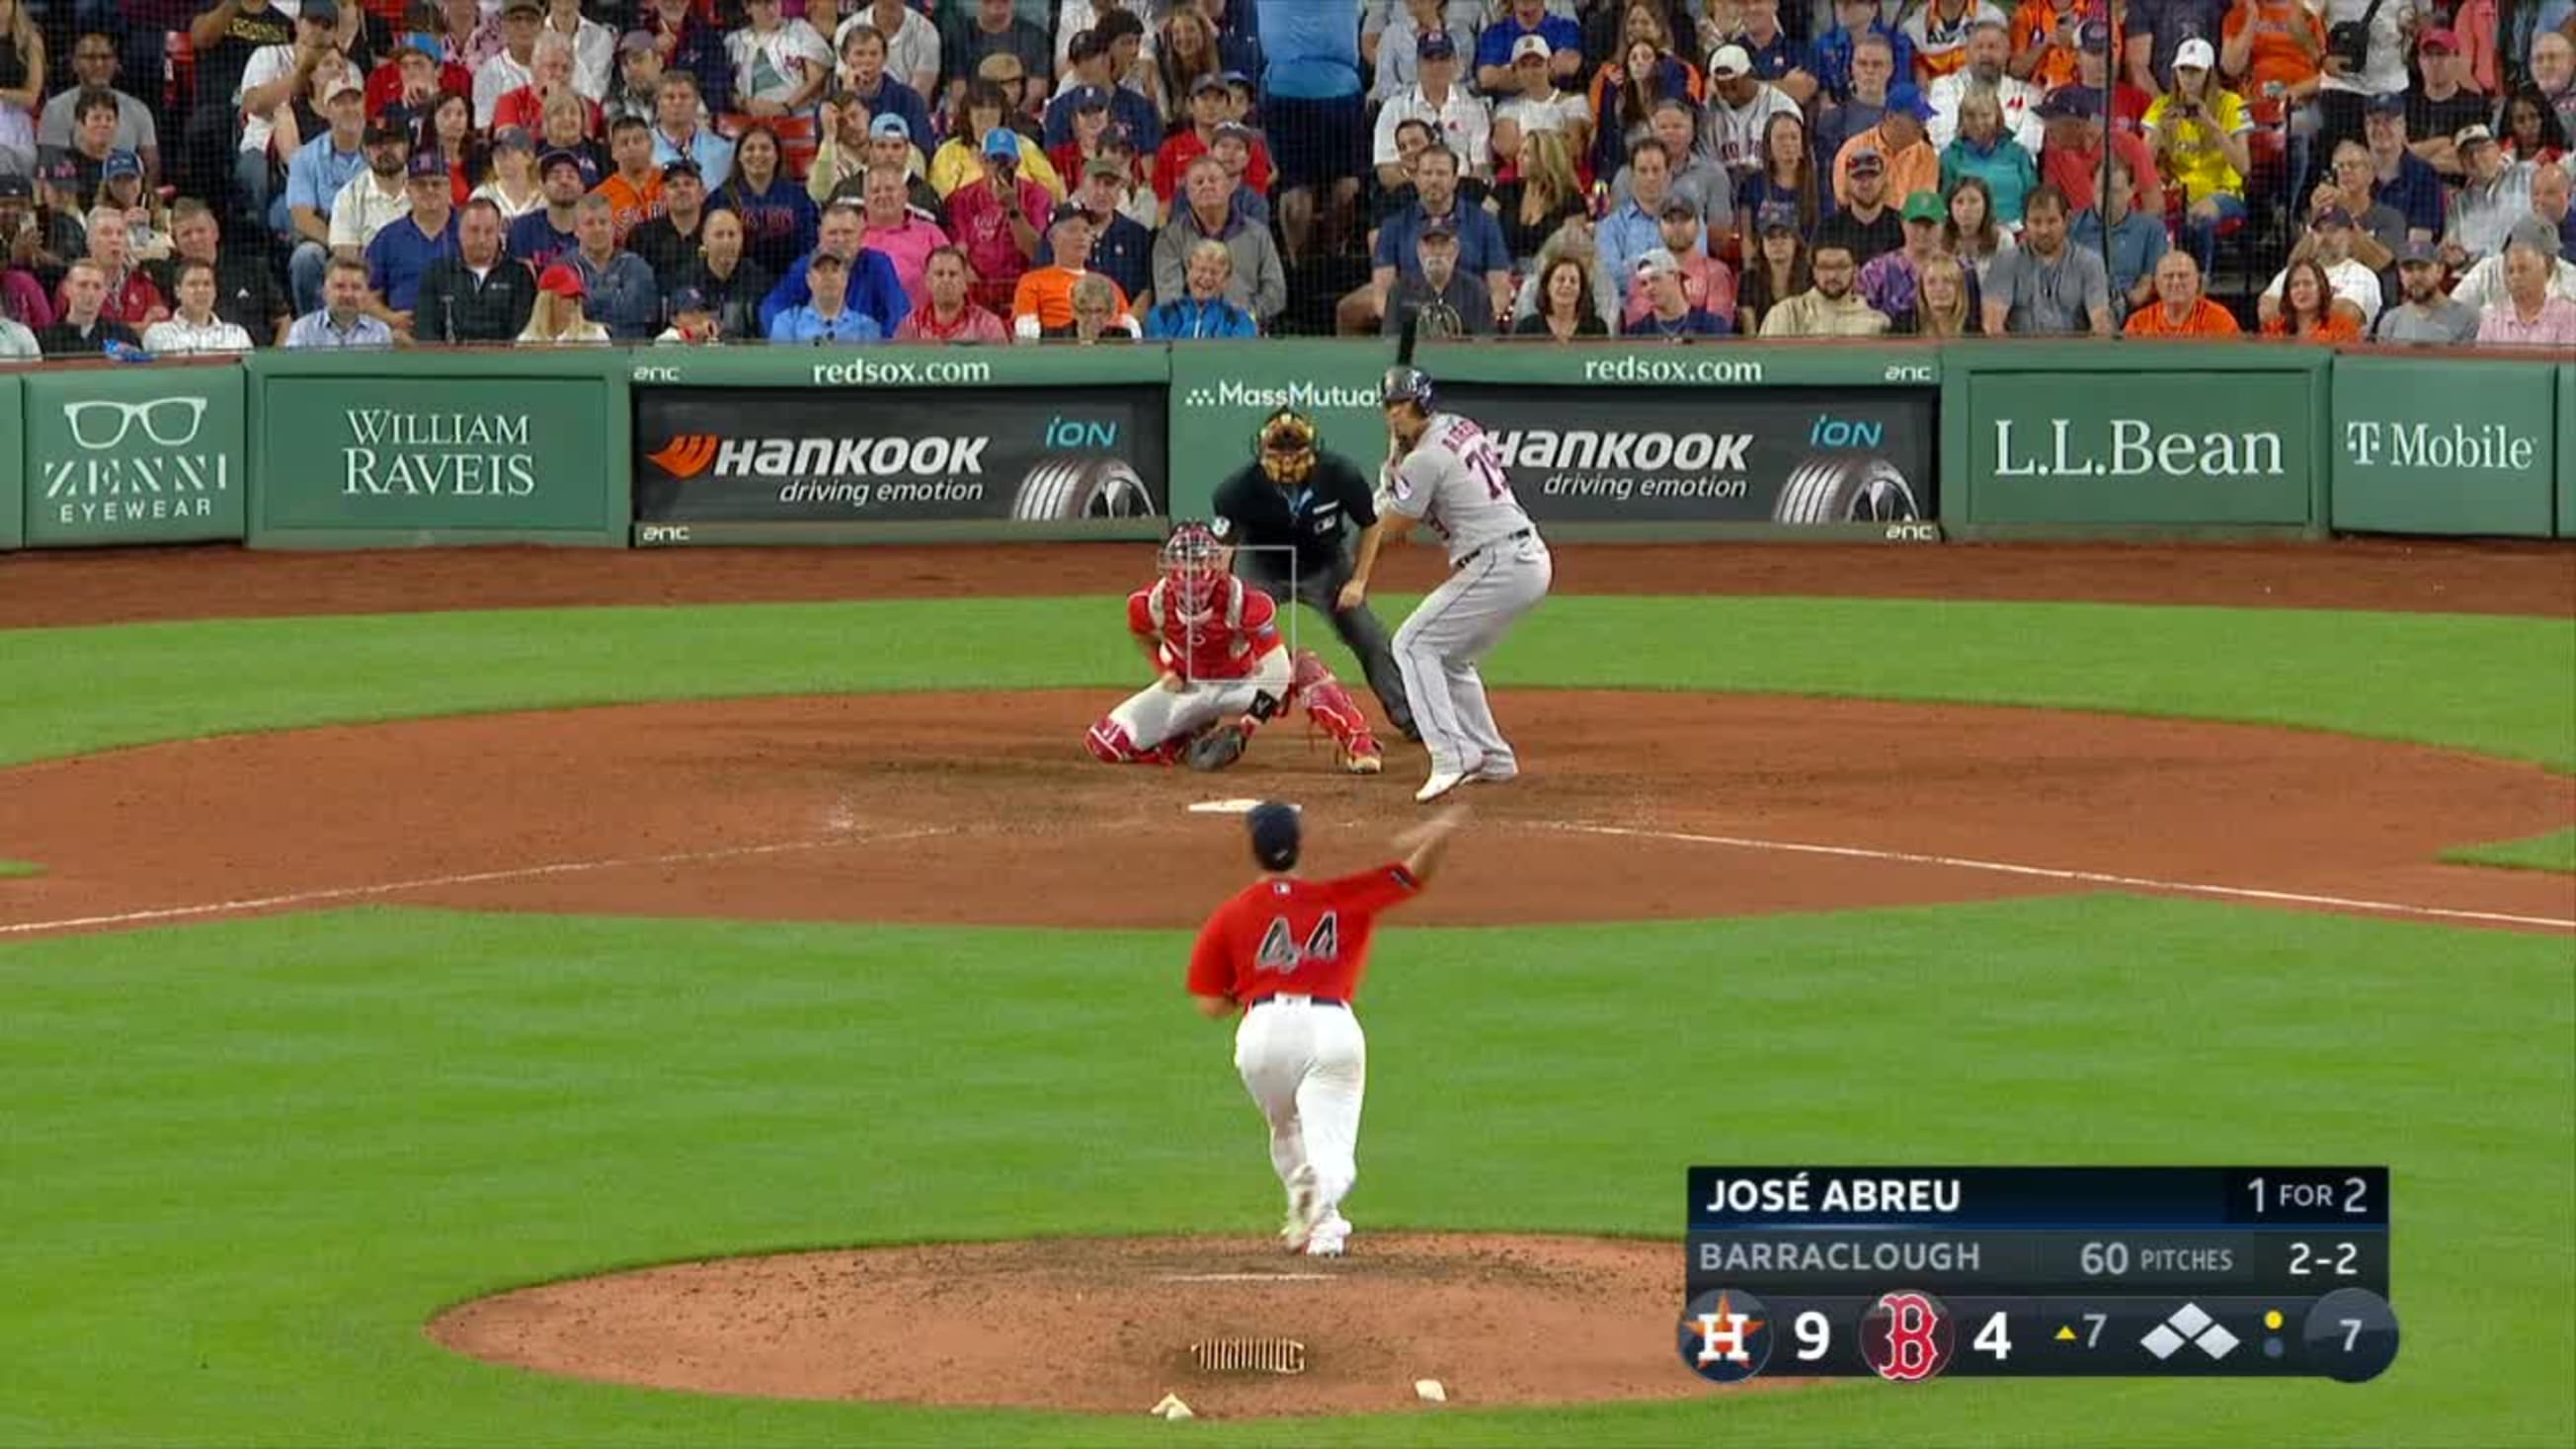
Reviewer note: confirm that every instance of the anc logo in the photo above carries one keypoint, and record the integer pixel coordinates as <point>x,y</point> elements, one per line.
<point>685,456</point>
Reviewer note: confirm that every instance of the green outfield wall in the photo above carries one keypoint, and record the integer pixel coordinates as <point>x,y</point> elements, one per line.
<point>13,463</point>
<point>1900,441</point>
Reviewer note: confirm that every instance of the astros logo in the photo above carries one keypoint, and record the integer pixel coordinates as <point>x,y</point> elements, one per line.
<point>685,456</point>
<point>1726,1335</point>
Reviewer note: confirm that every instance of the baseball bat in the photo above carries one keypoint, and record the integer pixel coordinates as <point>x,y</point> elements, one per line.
<point>1405,337</point>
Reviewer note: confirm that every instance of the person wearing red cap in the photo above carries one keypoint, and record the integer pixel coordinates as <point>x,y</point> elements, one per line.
<point>2442,103</point>
<point>557,318</point>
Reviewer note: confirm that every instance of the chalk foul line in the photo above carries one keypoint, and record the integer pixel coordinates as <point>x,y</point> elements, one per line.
<point>477,877</point>
<point>2085,877</point>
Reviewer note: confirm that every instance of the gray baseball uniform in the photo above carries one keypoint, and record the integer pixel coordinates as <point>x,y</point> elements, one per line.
<point>1453,480</point>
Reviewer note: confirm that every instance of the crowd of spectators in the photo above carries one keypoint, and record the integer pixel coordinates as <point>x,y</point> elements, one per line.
<point>215,175</point>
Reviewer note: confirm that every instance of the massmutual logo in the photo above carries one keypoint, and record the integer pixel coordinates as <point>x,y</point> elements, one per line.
<point>389,452</point>
<point>2458,447</point>
<point>135,462</point>
<point>2131,448</point>
<point>1305,395</point>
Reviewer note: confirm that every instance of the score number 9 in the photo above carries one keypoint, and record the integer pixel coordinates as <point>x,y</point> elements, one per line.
<point>1815,1334</point>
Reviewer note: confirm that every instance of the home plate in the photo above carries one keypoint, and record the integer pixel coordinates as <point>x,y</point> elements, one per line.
<point>1223,807</point>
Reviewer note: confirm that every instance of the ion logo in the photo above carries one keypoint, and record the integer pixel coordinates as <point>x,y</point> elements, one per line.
<point>1064,432</point>
<point>1834,432</point>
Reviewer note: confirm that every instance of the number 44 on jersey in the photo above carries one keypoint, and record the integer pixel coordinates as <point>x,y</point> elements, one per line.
<point>1280,952</point>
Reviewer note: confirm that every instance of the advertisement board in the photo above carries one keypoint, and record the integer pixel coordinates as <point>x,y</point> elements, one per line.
<point>13,461</point>
<point>2129,435</point>
<point>1796,456</point>
<point>711,461</point>
<point>133,455</point>
<point>2437,445</point>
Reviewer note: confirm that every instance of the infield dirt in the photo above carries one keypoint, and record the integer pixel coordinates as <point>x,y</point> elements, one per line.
<point>1105,1325</point>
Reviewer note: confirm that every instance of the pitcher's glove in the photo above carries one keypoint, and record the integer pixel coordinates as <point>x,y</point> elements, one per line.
<point>1219,747</point>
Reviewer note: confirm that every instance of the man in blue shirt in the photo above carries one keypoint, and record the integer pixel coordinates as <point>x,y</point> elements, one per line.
<point>827,318</point>
<point>1528,17</point>
<point>1314,103</point>
<point>1087,70</point>
<point>869,280</point>
<point>1121,249</point>
<point>677,134</point>
<point>1832,53</point>
<point>624,297</point>
<point>1202,310</point>
<point>314,176</point>
<point>401,253</point>
<point>2405,182</point>
<point>868,82</point>
<point>547,232</point>
<point>1482,251</point>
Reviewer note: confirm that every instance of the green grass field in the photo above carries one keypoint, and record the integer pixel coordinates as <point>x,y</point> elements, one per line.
<point>2554,851</point>
<point>242,1162</point>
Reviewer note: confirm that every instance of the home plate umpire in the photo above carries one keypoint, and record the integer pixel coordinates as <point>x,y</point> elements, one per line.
<point>1286,513</point>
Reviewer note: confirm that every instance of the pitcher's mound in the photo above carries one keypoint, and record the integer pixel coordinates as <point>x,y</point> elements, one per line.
<point>1109,1325</point>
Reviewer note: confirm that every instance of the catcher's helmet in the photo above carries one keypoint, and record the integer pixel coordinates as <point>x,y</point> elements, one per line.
<point>1405,384</point>
<point>1193,563</point>
<point>1286,446</point>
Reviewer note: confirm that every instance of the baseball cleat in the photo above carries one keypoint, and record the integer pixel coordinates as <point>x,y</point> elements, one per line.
<point>1494,774</point>
<point>1297,1235</point>
<point>1367,760</point>
<point>1440,783</point>
<point>1324,1248</point>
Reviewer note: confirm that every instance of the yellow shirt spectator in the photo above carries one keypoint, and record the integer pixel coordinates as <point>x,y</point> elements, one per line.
<point>2190,156</point>
<point>957,164</point>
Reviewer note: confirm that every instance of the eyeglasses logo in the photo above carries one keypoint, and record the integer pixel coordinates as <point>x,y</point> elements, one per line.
<point>101,424</point>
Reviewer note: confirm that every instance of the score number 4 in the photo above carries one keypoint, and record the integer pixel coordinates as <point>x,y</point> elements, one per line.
<point>1815,1334</point>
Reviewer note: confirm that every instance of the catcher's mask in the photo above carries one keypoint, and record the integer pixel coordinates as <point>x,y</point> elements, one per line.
<point>1286,445</point>
<point>1193,567</point>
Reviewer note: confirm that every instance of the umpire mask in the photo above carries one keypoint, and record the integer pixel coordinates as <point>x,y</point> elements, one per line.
<point>1287,447</point>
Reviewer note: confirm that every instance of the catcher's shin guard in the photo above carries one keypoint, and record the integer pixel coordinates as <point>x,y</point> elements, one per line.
<point>1109,743</point>
<point>1330,706</point>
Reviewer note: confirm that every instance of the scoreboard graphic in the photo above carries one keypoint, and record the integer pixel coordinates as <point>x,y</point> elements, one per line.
<point>1915,1273</point>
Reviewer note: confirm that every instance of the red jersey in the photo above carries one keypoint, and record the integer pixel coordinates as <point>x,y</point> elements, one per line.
<point>1229,641</point>
<point>1295,937</point>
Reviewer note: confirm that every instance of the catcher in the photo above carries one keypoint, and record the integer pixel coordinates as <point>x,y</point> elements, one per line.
<point>1223,671</point>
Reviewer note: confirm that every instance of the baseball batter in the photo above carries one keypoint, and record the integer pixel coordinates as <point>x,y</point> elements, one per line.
<point>1222,669</point>
<point>1442,470</point>
<point>1286,515</point>
<point>1289,953</point>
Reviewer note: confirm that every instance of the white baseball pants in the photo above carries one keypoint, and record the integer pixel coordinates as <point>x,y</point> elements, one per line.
<point>1155,714</point>
<point>1306,1067</point>
<point>1459,623</point>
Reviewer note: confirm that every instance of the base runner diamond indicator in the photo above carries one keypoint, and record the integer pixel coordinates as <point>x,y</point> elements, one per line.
<point>2189,1324</point>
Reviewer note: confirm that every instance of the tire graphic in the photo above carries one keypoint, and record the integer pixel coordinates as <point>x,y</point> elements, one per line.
<point>1062,489</point>
<point>1847,489</point>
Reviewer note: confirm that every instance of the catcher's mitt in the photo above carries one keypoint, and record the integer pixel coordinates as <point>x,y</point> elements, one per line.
<point>1218,747</point>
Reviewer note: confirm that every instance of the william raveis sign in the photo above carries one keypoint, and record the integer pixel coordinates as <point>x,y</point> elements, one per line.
<point>461,455</point>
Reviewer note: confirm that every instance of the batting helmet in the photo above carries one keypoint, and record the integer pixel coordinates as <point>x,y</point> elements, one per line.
<point>1286,446</point>
<point>1405,384</point>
